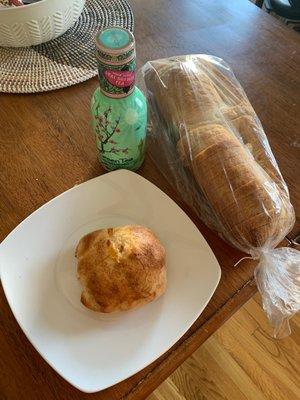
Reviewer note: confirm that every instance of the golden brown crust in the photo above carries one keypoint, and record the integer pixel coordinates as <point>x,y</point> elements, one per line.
<point>120,268</point>
<point>240,191</point>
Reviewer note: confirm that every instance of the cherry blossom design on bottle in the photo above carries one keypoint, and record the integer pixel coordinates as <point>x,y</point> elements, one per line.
<point>118,107</point>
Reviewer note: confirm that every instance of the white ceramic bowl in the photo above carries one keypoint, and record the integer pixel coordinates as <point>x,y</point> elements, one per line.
<point>38,22</point>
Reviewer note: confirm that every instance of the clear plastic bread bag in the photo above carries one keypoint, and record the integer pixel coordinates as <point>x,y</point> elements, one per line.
<point>208,142</point>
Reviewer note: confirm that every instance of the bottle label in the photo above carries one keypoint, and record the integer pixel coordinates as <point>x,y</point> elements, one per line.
<point>126,163</point>
<point>117,80</point>
<point>120,129</point>
<point>120,79</point>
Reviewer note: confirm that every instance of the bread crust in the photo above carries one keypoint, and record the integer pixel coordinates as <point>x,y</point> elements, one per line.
<point>221,141</point>
<point>120,268</point>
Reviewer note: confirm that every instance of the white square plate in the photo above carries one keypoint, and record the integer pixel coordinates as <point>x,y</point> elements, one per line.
<point>38,270</point>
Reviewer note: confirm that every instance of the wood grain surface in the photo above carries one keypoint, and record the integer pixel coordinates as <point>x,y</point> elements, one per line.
<point>47,146</point>
<point>241,361</point>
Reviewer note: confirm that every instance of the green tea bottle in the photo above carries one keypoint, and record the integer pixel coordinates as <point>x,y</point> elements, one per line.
<point>119,108</point>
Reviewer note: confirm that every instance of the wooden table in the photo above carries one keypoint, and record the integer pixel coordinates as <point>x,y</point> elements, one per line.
<point>47,147</point>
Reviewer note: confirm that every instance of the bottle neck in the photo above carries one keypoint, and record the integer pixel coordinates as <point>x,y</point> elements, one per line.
<point>117,80</point>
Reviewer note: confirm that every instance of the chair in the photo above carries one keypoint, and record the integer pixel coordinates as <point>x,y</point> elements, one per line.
<point>287,10</point>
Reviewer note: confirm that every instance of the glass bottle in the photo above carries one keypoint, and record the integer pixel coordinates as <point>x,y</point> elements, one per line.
<point>119,108</point>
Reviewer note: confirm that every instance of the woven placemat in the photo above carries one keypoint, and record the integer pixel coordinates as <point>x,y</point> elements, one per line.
<point>64,61</point>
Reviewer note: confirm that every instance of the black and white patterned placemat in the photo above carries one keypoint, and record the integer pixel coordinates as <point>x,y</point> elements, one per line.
<point>64,61</point>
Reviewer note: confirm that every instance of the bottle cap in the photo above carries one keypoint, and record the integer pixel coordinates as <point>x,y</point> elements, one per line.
<point>115,45</point>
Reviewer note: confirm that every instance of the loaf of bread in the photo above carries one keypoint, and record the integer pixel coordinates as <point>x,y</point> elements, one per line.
<point>120,268</point>
<point>219,138</point>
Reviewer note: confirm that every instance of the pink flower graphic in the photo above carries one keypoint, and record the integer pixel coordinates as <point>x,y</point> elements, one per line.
<point>114,150</point>
<point>106,129</point>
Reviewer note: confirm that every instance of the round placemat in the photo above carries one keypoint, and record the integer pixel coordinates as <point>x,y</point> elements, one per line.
<point>64,61</point>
